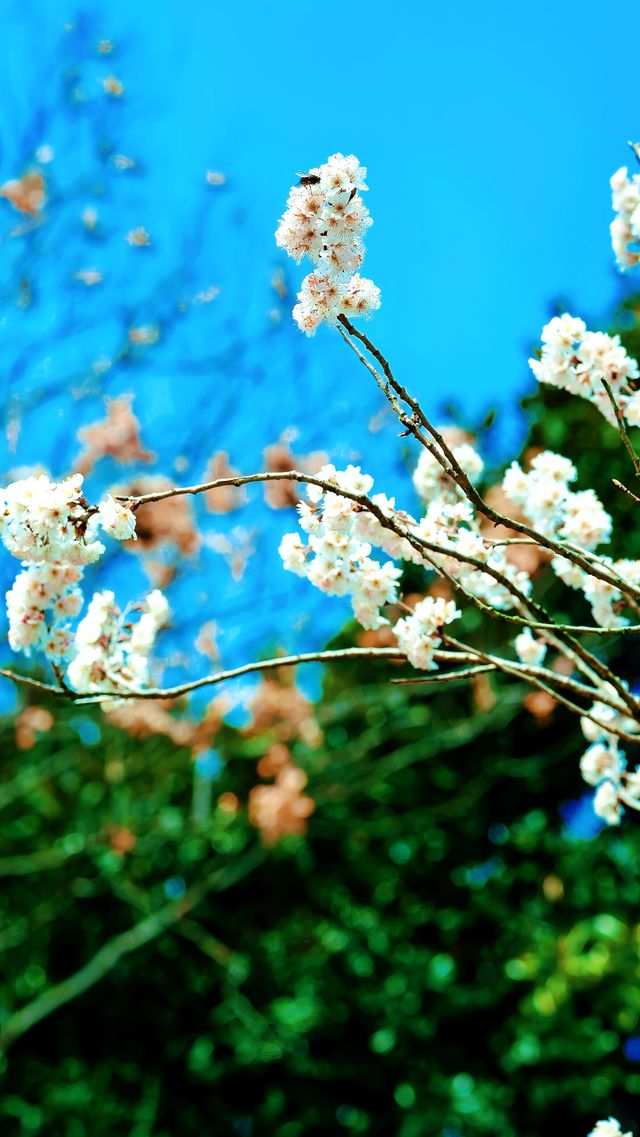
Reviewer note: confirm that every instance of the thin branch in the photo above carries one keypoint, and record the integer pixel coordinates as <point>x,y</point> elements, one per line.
<point>35,684</point>
<point>246,669</point>
<point>626,490</point>
<point>455,470</point>
<point>108,956</point>
<point>541,677</point>
<point>571,647</point>
<point>447,676</point>
<point>622,430</point>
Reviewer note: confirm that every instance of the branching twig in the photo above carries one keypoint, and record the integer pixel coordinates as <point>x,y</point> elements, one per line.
<point>115,949</point>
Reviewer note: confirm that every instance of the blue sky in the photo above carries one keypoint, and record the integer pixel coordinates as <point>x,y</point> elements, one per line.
<point>489,130</point>
<point>490,133</point>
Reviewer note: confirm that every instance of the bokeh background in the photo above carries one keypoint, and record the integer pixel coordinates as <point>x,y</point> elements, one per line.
<point>183,955</point>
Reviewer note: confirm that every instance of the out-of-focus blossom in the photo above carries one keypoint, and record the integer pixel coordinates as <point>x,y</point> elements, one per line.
<point>26,194</point>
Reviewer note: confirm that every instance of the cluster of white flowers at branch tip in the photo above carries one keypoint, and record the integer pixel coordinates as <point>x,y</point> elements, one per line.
<point>578,518</point>
<point>52,529</point>
<point>577,361</point>
<point>45,522</point>
<point>419,634</point>
<point>112,654</point>
<point>625,227</point>
<point>609,1128</point>
<point>325,219</point>
<point>603,764</point>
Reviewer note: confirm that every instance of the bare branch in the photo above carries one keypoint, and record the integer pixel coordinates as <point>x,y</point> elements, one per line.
<point>622,430</point>
<point>115,949</point>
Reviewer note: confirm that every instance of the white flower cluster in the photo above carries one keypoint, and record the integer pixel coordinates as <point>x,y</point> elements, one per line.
<point>45,522</point>
<point>603,764</point>
<point>337,561</point>
<point>431,479</point>
<point>454,529</point>
<point>48,522</point>
<point>606,600</point>
<point>555,510</point>
<point>577,517</point>
<point>110,653</point>
<point>609,1128</point>
<point>52,529</point>
<point>529,650</point>
<point>41,599</point>
<point>625,227</point>
<point>326,219</point>
<point>322,298</point>
<point>419,634</point>
<point>451,524</point>
<point>336,558</point>
<point>341,533</point>
<point>577,360</point>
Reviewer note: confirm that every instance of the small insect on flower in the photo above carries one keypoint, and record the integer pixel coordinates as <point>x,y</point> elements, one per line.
<point>310,179</point>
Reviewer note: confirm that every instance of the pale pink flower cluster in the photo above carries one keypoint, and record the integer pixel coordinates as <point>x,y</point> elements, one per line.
<point>451,524</point>
<point>322,298</point>
<point>603,764</point>
<point>431,479</point>
<point>606,600</point>
<point>53,529</point>
<point>555,510</point>
<point>576,517</point>
<point>577,360</point>
<point>111,654</point>
<point>625,227</point>
<point>419,634</point>
<point>341,532</point>
<point>336,558</point>
<point>326,219</point>
<point>42,598</point>
<point>45,522</point>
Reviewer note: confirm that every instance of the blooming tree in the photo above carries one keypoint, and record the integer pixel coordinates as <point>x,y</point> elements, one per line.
<point>353,542</point>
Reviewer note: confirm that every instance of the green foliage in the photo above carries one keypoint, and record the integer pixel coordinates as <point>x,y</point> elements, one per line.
<point>438,956</point>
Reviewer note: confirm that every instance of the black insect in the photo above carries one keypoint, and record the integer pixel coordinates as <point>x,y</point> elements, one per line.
<point>308,179</point>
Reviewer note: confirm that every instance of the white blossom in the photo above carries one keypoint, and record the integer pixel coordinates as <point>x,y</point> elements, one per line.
<point>111,654</point>
<point>42,598</point>
<point>609,1128</point>
<point>606,803</point>
<point>419,634</point>
<point>577,360</point>
<point>117,519</point>
<point>625,227</point>
<point>48,522</point>
<point>326,219</point>
<point>529,650</point>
